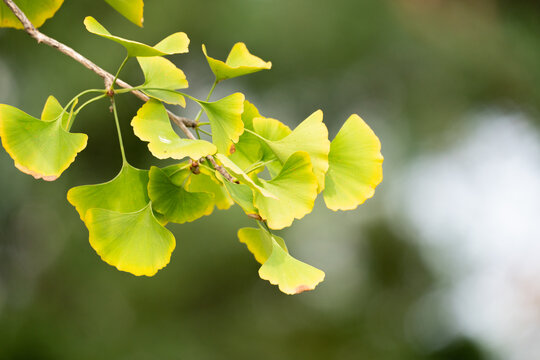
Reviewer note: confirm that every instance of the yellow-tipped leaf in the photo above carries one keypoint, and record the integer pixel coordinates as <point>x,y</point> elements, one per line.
<point>133,242</point>
<point>152,124</point>
<point>355,166</point>
<point>295,187</point>
<point>239,62</point>
<point>41,148</point>
<point>177,43</point>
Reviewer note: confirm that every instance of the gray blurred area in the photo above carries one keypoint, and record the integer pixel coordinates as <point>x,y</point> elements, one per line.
<point>442,264</point>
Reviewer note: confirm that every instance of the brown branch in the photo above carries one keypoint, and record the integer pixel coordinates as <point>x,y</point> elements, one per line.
<point>182,122</point>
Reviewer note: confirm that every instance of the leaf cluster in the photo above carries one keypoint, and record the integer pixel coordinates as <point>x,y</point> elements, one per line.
<point>277,172</point>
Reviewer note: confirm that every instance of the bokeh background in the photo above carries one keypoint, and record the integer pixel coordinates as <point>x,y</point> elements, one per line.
<point>441,264</point>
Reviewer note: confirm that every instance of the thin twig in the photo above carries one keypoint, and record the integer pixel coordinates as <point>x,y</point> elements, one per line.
<point>105,75</point>
<point>182,122</point>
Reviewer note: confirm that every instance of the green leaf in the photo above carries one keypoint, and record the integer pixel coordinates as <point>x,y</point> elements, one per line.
<point>242,176</point>
<point>177,43</point>
<point>355,166</point>
<point>250,113</point>
<point>241,194</point>
<point>225,117</point>
<point>279,267</point>
<point>133,242</point>
<point>43,149</point>
<point>37,12</point>
<point>270,129</point>
<point>310,136</point>
<point>52,111</point>
<point>152,124</point>
<point>274,130</point>
<point>239,62</point>
<point>174,201</point>
<point>247,152</point>
<point>291,275</point>
<point>162,73</point>
<point>127,192</point>
<point>131,9</point>
<point>259,243</point>
<point>248,149</point>
<point>205,181</point>
<point>295,186</point>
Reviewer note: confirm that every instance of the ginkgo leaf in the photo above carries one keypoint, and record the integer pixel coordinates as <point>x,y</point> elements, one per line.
<point>239,62</point>
<point>127,192</point>
<point>278,266</point>
<point>174,201</point>
<point>206,181</point>
<point>248,149</point>
<point>152,124</point>
<point>270,129</point>
<point>52,111</point>
<point>43,149</point>
<point>259,243</point>
<point>225,117</point>
<point>37,12</point>
<point>134,242</point>
<point>131,9</point>
<point>163,74</point>
<point>295,187</point>
<point>274,130</point>
<point>310,136</point>
<point>242,176</point>
<point>177,43</point>
<point>250,112</point>
<point>241,194</point>
<point>355,166</point>
<point>178,173</point>
<point>291,275</point>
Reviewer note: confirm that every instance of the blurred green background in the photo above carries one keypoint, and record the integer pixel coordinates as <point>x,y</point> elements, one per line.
<point>440,264</point>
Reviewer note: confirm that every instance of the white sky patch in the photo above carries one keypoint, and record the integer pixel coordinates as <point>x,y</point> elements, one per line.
<point>476,212</point>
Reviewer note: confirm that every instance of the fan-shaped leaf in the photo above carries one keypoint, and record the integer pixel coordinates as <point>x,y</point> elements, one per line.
<point>37,12</point>
<point>43,149</point>
<point>127,192</point>
<point>133,242</point>
<point>152,124</point>
<point>131,9</point>
<point>310,136</point>
<point>291,275</point>
<point>355,166</point>
<point>176,43</point>
<point>295,187</point>
<point>225,117</point>
<point>161,73</point>
<point>270,129</point>
<point>174,201</point>
<point>279,268</point>
<point>239,62</point>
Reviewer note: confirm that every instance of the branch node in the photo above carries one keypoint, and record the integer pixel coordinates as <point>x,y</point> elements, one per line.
<point>194,167</point>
